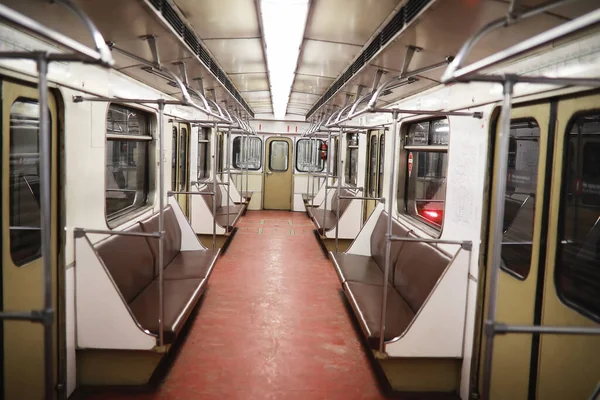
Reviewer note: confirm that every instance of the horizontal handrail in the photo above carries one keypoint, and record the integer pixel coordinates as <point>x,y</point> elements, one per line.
<point>345,187</point>
<point>456,72</point>
<point>34,316</point>
<point>209,182</point>
<point>465,244</point>
<point>172,193</point>
<point>381,199</point>
<point>80,232</point>
<point>501,328</point>
<point>101,55</point>
<point>24,228</point>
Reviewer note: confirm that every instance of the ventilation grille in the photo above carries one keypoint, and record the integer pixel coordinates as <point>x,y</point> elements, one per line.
<point>400,21</point>
<point>191,40</point>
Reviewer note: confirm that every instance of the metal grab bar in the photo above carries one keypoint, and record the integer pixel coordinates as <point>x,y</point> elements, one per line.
<point>465,244</point>
<point>100,56</point>
<point>208,182</point>
<point>80,232</point>
<point>456,72</point>
<point>381,199</point>
<point>501,328</point>
<point>359,188</point>
<point>172,193</point>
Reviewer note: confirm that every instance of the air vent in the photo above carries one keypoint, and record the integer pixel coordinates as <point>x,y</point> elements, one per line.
<point>171,16</point>
<point>404,16</point>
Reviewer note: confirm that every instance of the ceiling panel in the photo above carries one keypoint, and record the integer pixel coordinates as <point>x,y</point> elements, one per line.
<point>250,82</point>
<point>324,58</point>
<point>260,95</point>
<point>303,98</point>
<point>311,84</point>
<point>347,21</point>
<point>238,55</point>
<point>221,18</point>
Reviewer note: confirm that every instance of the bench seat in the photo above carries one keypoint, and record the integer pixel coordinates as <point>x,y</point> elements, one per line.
<point>191,265</point>
<point>355,268</point>
<point>365,300</point>
<point>223,218</point>
<point>415,269</point>
<point>317,214</point>
<point>132,262</point>
<point>180,297</point>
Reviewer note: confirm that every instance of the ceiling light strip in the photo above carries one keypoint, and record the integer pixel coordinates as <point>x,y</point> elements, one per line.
<point>283,29</point>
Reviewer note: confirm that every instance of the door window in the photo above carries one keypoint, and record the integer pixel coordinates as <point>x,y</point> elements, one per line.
<point>278,156</point>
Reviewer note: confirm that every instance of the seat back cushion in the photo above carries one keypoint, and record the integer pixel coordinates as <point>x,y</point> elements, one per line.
<point>208,198</point>
<point>172,239</point>
<point>418,268</point>
<point>129,261</point>
<point>344,203</point>
<point>378,243</point>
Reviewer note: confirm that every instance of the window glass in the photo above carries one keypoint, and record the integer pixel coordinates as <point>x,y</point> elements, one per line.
<point>127,167</point>
<point>519,203</point>
<point>278,155</point>
<point>24,172</point>
<point>308,155</point>
<point>219,152</point>
<point>372,165</point>
<point>336,153</point>
<point>174,159</point>
<point>578,261</point>
<point>252,153</point>
<point>203,154</point>
<point>351,158</point>
<point>183,141</point>
<point>426,166</point>
<point>381,165</point>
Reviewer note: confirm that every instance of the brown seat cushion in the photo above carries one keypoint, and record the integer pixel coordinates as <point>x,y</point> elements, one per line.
<point>330,219</point>
<point>129,262</point>
<point>417,270</point>
<point>367,298</point>
<point>180,297</point>
<point>226,221</point>
<point>196,264</point>
<point>172,239</point>
<point>233,209</point>
<point>355,268</point>
<point>378,243</point>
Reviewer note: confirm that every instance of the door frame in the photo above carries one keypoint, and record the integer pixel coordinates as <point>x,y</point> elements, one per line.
<point>266,169</point>
<point>56,113</point>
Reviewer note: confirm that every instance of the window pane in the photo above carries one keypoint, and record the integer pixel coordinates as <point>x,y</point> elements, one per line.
<point>203,154</point>
<point>336,153</point>
<point>308,155</point>
<point>183,159</point>
<point>278,156</point>
<point>519,203</point>
<point>351,158</point>
<point>578,262</point>
<point>425,185</point>
<point>372,164</point>
<point>174,160</point>
<point>381,165</point>
<point>249,149</point>
<point>127,167</point>
<point>24,202</point>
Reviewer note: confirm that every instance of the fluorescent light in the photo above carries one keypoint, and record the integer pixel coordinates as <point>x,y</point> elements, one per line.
<point>283,27</point>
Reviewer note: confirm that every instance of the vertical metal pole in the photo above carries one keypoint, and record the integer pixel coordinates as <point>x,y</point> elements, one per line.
<point>388,243</point>
<point>161,221</point>
<point>311,169</point>
<point>327,171</point>
<point>339,193</point>
<point>46,222</point>
<point>215,188</point>
<point>308,179</point>
<point>227,171</point>
<point>502,163</point>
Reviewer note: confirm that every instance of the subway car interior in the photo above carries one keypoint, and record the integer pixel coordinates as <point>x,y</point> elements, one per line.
<point>300,199</point>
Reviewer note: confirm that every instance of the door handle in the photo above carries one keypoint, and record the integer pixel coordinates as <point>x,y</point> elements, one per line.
<point>269,173</point>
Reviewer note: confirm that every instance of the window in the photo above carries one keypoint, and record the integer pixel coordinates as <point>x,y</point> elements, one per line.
<point>220,153</point>
<point>424,188</point>
<point>127,166</point>
<point>278,155</point>
<point>308,155</point>
<point>251,153</point>
<point>183,144</point>
<point>24,170</point>
<point>203,154</point>
<point>372,165</point>
<point>351,158</point>
<point>519,203</point>
<point>174,159</point>
<point>336,153</point>
<point>381,164</point>
<point>578,260</point>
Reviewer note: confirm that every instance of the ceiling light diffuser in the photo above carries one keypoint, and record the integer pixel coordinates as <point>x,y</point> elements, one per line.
<point>283,28</point>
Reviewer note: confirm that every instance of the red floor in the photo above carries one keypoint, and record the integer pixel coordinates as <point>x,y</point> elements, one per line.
<point>272,324</point>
